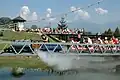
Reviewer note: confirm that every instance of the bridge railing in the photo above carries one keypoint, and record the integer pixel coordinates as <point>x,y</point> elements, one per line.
<point>65,48</point>
<point>83,48</point>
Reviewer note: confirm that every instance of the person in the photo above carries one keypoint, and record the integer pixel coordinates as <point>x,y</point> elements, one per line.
<point>106,41</point>
<point>89,41</point>
<point>115,40</point>
<point>111,41</point>
<point>79,36</point>
<point>99,39</point>
<point>53,30</point>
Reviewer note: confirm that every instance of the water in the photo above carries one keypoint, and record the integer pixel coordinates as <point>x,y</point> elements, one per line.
<point>86,76</point>
<point>94,70</point>
<point>5,74</point>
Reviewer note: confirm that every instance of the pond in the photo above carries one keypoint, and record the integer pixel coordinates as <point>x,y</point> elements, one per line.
<point>6,74</point>
<point>29,74</point>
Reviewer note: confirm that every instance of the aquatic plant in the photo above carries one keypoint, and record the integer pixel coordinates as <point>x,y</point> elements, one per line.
<point>17,72</point>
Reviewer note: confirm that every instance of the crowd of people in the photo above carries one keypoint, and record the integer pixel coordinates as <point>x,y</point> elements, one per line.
<point>60,31</point>
<point>99,40</point>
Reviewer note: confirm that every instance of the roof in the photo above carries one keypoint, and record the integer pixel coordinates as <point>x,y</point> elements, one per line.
<point>19,19</point>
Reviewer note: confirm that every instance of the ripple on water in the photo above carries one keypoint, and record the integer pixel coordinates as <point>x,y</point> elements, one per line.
<point>85,76</point>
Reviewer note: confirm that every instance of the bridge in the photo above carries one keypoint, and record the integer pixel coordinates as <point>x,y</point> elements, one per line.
<point>23,48</point>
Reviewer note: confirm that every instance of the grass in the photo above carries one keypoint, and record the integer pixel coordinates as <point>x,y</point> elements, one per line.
<point>51,40</point>
<point>10,35</point>
<point>22,61</point>
<point>3,46</point>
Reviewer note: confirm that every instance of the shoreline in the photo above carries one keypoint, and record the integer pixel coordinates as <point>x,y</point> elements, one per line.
<point>22,61</point>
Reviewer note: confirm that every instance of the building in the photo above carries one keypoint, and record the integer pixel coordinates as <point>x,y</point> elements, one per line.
<point>18,23</point>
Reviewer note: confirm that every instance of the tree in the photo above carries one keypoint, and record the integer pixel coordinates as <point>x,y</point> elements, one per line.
<point>62,24</point>
<point>117,32</point>
<point>34,27</point>
<point>109,32</point>
<point>105,32</point>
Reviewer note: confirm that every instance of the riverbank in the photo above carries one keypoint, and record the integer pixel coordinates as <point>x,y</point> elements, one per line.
<point>22,61</point>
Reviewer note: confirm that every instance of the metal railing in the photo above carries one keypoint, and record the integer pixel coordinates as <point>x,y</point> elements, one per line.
<point>64,48</point>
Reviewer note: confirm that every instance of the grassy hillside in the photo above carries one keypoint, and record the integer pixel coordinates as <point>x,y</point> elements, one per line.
<point>10,35</point>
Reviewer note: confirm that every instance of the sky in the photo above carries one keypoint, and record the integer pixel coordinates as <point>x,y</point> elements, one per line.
<point>106,11</point>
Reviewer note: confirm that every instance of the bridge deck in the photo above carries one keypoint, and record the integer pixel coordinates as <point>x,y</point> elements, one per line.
<point>64,48</point>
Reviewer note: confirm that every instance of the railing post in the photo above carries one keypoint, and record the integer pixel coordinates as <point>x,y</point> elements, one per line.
<point>62,48</point>
<point>14,49</point>
<point>22,49</point>
<point>31,48</point>
<point>55,48</point>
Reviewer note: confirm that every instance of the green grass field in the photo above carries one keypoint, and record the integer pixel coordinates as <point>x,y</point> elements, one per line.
<point>22,61</point>
<point>10,35</point>
<point>3,46</point>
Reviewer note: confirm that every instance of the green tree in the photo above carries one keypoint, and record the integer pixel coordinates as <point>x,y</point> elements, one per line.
<point>109,32</point>
<point>34,27</point>
<point>104,33</point>
<point>117,32</point>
